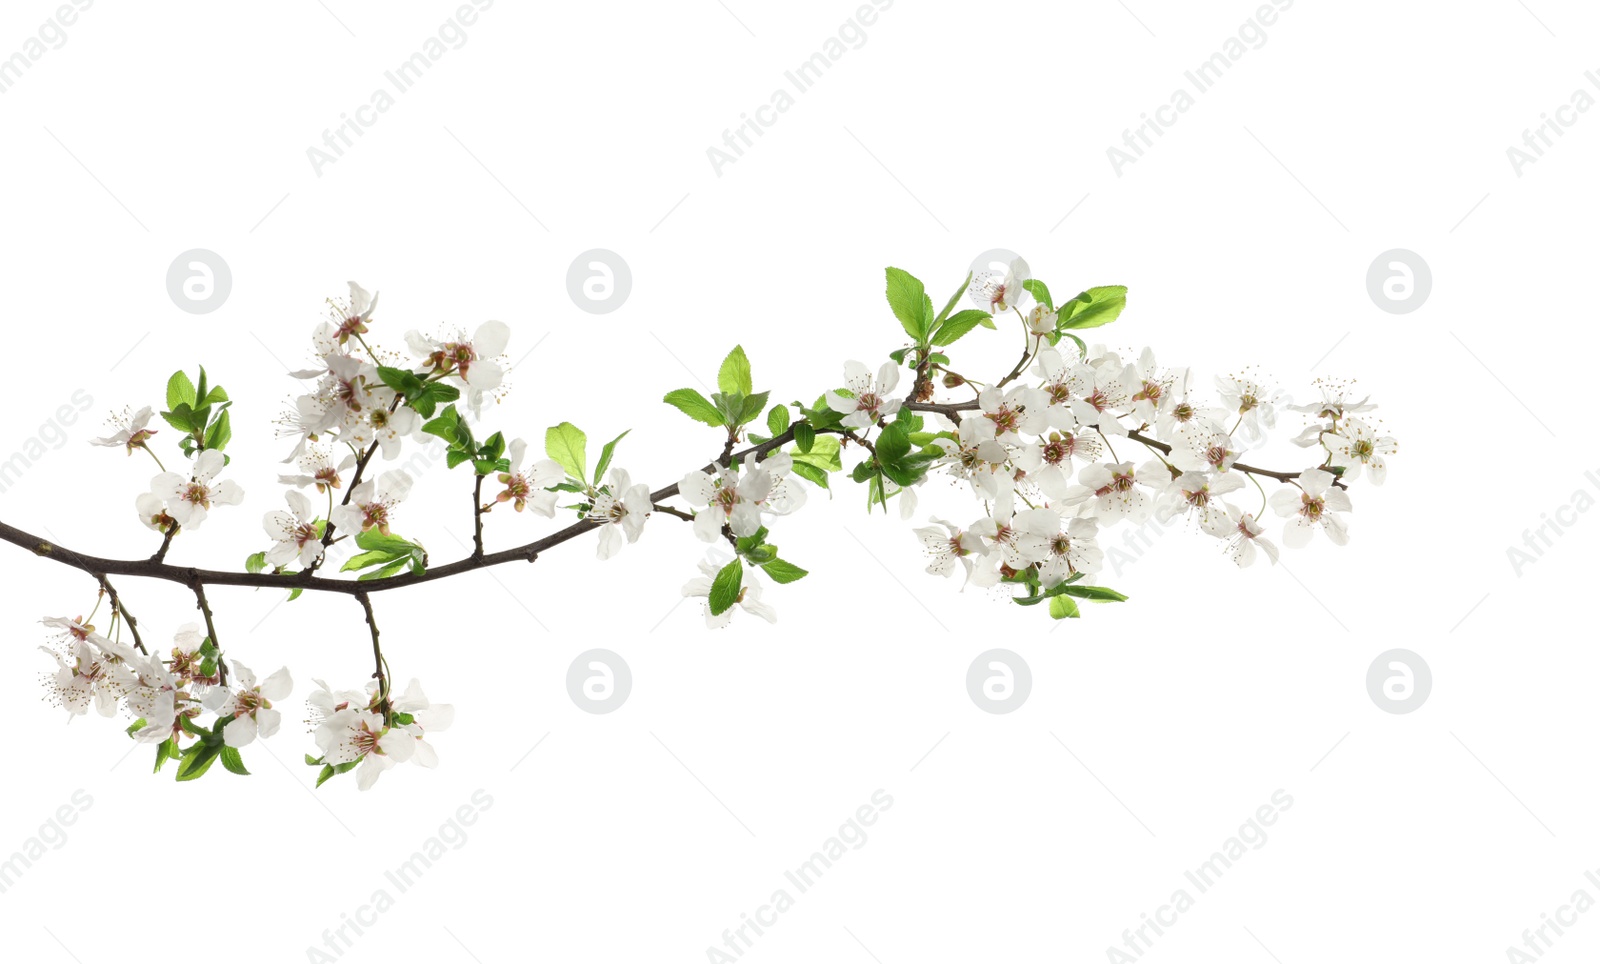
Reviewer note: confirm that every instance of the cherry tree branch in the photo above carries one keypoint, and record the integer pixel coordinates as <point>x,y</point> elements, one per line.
<point>381,672</point>
<point>197,579</point>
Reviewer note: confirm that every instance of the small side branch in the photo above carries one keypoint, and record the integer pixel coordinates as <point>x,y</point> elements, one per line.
<point>381,666</point>
<point>117,607</point>
<point>477,519</point>
<point>200,602</point>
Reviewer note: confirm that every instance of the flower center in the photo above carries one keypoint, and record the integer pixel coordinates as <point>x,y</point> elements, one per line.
<point>197,494</point>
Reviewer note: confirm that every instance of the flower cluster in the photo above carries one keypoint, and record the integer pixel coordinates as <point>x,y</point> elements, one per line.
<point>168,695</point>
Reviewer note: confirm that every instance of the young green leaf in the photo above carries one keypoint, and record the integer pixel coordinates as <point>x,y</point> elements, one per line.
<point>693,404</point>
<point>233,761</point>
<point>778,420</point>
<point>951,304</point>
<point>733,378</point>
<point>1095,307</point>
<point>1062,607</point>
<point>1040,292</point>
<point>565,443</point>
<point>605,457</point>
<point>180,391</point>
<point>910,303</point>
<point>784,572</point>
<point>805,437</point>
<point>725,588</point>
<point>959,324</point>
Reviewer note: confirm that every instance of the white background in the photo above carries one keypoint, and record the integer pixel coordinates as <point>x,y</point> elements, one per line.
<point>1154,729</point>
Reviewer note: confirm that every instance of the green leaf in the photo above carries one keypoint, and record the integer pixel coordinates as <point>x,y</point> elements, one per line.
<point>752,407</point>
<point>959,324</point>
<point>805,437</point>
<point>220,433</point>
<point>256,562</point>
<point>326,775</point>
<point>778,420</point>
<point>725,588</point>
<point>950,306</point>
<point>910,303</point>
<point>693,404</point>
<point>605,457</point>
<point>784,572</point>
<point>824,454</point>
<point>446,426</point>
<point>733,378</point>
<point>565,443</point>
<point>196,760</point>
<point>1095,307</point>
<point>1092,593</point>
<point>1062,607</point>
<point>812,474</point>
<point>455,457</point>
<point>180,391</point>
<point>402,381</point>
<point>164,752</point>
<point>392,569</point>
<point>894,443</point>
<point>1040,291</point>
<point>374,539</point>
<point>233,762</point>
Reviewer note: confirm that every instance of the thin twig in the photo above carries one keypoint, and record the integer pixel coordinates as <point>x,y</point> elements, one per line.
<point>381,671</point>
<point>477,519</point>
<point>117,606</point>
<point>199,587</point>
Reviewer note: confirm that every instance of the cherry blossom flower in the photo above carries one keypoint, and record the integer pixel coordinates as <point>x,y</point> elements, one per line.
<point>250,705</point>
<point>869,401</point>
<point>1072,550</point>
<point>528,489</point>
<point>1115,489</point>
<point>377,425</point>
<point>295,532</point>
<point>1199,496</point>
<point>1021,411</point>
<point>994,292</point>
<point>1356,446</point>
<point>1022,538</point>
<point>131,432</point>
<point>1314,505</point>
<point>371,503</point>
<point>350,319</point>
<point>729,498</point>
<point>426,718</point>
<point>189,500</point>
<point>621,508</point>
<point>351,735</point>
<point>948,546</point>
<point>85,676</point>
<point>749,595</point>
<point>1254,404</point>
<point>318,469</point>
<point>1247,537</point>
<point>470,360</point>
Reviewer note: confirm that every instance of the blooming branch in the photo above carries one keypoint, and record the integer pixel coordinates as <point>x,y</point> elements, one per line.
<point>1035,450</point>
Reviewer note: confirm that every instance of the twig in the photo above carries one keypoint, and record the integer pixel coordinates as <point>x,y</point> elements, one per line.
<point>118,607</point>
<point>381,671</point>
<point>477,519</point>
<point>166,543</point>
<point>199,587</point>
